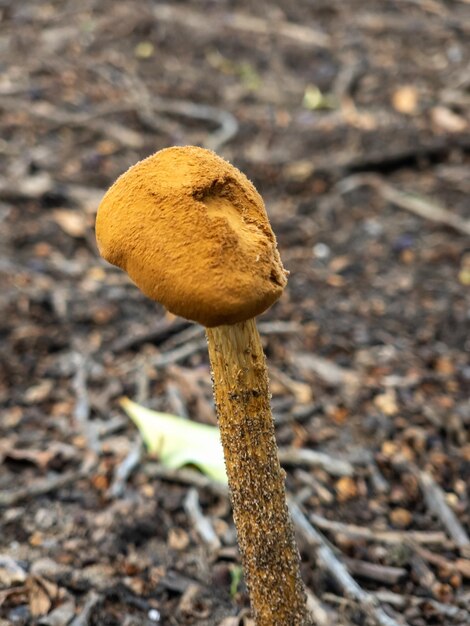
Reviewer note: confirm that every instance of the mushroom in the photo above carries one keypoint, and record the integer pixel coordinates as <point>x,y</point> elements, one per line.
<point>193,234</point>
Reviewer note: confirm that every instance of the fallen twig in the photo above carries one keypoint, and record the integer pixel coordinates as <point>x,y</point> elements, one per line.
<point>59,117</point>
<point>379,573</point>
<point>82,404</point>
<point>459,565</point>
<point>328,560</point>
<point>125,469</point>
<point>178,354</point>
<point>182,337</point>
<point>63,614</point>
<point>228,125</point>
<point>422,572</point>
<point>172,328</point>
<point>436,502</point>
<point>381,485</point>
<point>175,400</point>
<point>400,602</point>
<point>279,327</point>
<point>163,329</point>
<point>312,458</point>
<point>185,477</point>
<point>26,187</point>
<point>242,23</point>
<point>419,206</point>
<point>83,617</point>
<point>328,371</point>
<point>382,536</point>
<point>320,616</point>
<point>40,487</point>
<point>200,522</point>
<point>312,485</point>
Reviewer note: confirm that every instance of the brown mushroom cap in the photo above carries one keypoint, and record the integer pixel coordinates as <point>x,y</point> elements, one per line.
<point>193,234</point>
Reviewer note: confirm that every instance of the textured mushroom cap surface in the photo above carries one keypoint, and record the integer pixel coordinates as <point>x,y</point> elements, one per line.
<point>193,234</point>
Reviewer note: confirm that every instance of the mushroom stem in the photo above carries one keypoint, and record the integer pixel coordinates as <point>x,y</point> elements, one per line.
<point>265,532</point>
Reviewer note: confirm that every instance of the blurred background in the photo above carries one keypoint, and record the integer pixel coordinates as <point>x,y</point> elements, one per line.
<point>352,119</point>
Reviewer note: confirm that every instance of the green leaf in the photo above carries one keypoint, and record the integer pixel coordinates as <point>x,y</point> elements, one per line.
<point>178,442</point>
<point>315,100</point>
<point>236,576</point>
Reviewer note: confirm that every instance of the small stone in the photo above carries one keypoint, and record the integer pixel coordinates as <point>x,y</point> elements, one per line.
<point>321,250</point>
<point>154,615</point>
<point>373,227</point>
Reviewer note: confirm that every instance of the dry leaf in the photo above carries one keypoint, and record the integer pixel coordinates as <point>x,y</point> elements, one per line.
<point>43,458</point>
<point>15,595</point>
<point>463,565</point>
<point>39,602</point>
<point>299,171</point>
<point>72,222</point>
<point>49,587</point>
<point>447,120</point>
<point>41,594</point>
<point>38,393</point>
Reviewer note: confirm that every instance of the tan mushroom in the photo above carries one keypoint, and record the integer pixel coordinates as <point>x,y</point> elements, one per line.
<point>193,234</point>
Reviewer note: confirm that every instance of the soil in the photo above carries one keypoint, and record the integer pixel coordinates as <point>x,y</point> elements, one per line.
<point>351,118</point>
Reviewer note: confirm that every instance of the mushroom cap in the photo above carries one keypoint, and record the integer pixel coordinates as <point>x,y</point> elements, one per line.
<point>192,232</point>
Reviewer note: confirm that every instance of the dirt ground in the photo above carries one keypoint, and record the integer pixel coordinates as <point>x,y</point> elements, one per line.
<point>352,120</point>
